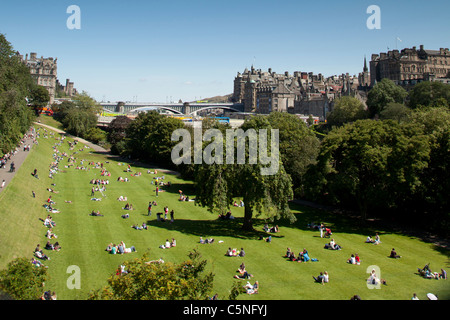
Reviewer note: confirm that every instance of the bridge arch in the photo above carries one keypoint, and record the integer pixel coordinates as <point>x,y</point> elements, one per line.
<point>213,107</point>
<point>148,108</point>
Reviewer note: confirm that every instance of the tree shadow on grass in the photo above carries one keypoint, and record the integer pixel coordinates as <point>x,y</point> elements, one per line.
<point>336,221</point>
<point>211,228</point>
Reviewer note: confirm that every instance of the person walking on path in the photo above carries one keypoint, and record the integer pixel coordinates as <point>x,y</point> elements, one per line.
<point>19,157</point>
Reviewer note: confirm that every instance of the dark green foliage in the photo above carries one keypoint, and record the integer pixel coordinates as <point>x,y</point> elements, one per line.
<point>383,93</point>
<point>346,109</point>
<point>370,164</point>
<point>159,281</point>
<point>15,86</point>
<point>435,94</point>
<point>22,280</point>
<point>148,137</point>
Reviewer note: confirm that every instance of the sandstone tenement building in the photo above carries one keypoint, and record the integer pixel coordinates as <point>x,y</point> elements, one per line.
<point>298,93</point>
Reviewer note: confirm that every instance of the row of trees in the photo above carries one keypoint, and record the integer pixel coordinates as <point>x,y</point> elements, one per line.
<point>79,117</point>
<point>19,95</point>
<point>391,157</point>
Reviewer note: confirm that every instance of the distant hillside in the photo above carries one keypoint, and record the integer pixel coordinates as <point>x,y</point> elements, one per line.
<point>217,99</point>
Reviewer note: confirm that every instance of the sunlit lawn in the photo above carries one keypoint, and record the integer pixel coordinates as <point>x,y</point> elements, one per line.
<point>84,238</point>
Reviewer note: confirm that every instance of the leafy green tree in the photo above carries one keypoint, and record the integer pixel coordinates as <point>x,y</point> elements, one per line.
<point>384,92</point>
<point>15,86</point>
<point>117,129</point>
<point>374,164</point>
<point>22,280</point>
<point>429,94</point>
<point>436,176</point>
<point>187,280</point>
<point>39,97</point>
<point>346,109</point>
<point>218,184</point>
<point>298,145</point>
<point>148,137</point>
<point>395,111</point>
<point>79,116</point>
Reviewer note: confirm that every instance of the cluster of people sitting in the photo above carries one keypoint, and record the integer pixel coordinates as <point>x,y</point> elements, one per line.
<point>303,256</point>
<point>168,244</point>
<point>428,274</point>
<point>322,278</point>
<point>227,216</point>
<point>122,198</point>
<point>206,241</point>
<point>332,245</point>
<point>119,249</point>
<point>235,253</point>
<point>143,227</point>
<point>274,229</point>
<point>128,207</point>
<point>48,222</point>
<point>354,259</point>
<point>375,240</point>
<point>56,246</point>
<point>241,204</point>
<point>49,208</point>
<point>99,182</point>
<point>122,179</point>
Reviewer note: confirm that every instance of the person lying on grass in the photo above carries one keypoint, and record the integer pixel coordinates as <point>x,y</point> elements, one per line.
<point>243,276</point>
<point>96,213</point>
<point>251,289</point>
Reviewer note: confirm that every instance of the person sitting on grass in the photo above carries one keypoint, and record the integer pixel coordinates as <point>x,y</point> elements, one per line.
<point>369,240</point>
<point>252,289</point>
<point>39,254</point>
<point>352,259</point>
<point>241,268</point>
<point>50,234</point>
<point>322,278</point>
<point>303,256</point>
<point>243,276</point>
<point>394,254</point>
<point>377,239</point>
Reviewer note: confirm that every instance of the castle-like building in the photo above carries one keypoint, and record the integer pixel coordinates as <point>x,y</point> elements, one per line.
<point>410,66</point>
<point>298,93</point>
<point>44,71</point>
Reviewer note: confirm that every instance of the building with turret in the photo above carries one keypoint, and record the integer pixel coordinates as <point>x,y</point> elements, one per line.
<point>299,93</point>
<point>44,71</point>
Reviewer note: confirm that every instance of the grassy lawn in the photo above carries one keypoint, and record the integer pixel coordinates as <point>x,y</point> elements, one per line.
<point>84,238</point>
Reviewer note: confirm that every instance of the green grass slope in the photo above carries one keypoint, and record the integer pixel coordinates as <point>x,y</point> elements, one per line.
<point>84,238</point>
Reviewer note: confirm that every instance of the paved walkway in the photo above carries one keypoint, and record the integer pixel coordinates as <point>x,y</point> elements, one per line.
<point>18,159</point>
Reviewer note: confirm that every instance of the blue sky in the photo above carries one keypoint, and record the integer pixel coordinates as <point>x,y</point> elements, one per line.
<point>155,51</point>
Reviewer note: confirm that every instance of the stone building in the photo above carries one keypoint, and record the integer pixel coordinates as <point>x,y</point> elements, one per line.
<point>299,93</point>
<point>44,71</point>
<point>410,66</point>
